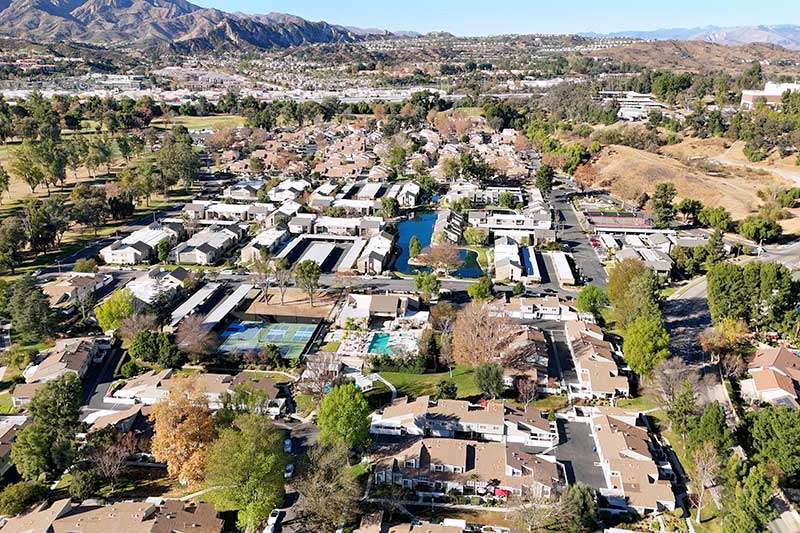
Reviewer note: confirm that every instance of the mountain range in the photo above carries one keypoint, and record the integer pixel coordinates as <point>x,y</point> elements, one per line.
<point>786,35</point>
<point>175,24</point>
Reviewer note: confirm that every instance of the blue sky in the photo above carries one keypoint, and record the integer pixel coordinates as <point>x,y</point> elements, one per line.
<point>488,17</point>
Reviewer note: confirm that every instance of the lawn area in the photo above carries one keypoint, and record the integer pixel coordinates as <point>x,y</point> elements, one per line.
<point>201,123</point>
<point>710,519</point>
<point>642,403</point>
<point>414,385</point>
<point>6,407</point>
<point>550,402</point>
<point>304,404</point>
<point>332,346</point>
<point>482,258</point>
<point>277,377</point>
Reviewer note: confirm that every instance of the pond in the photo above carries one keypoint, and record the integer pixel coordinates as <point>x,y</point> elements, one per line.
<point>421,225</point>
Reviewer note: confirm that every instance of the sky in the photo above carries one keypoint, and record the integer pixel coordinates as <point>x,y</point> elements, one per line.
<point>492,17</point>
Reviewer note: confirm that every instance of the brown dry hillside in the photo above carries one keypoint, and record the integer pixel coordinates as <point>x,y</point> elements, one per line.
<point>628,172</point>
<point>701,56</point>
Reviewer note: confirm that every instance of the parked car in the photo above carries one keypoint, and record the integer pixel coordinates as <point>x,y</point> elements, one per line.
<point>287,445</point>
<point>274,516</point>
<point>289,471</point>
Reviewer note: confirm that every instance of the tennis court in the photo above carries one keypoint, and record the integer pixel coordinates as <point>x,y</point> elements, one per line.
<point>253,336</point>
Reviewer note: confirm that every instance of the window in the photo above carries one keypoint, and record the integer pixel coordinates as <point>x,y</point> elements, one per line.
<point>410,464</point>
<point>438,468</point>
<point>457,469</point>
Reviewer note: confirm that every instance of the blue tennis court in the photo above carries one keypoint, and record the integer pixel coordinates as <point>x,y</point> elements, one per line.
<point>253,336</point>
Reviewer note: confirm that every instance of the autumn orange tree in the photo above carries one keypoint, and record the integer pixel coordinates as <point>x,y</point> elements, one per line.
<point>479,335</point>
<point>183,430</point>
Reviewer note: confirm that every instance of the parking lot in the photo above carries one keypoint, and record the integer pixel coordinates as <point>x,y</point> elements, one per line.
<point>578,453</point>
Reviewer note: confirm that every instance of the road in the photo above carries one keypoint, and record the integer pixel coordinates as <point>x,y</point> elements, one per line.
<point>686,315</point>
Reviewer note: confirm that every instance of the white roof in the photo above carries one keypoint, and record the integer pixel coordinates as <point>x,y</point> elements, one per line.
<point>151,236</point>
<point>229,304</point>
<point>200,296</point>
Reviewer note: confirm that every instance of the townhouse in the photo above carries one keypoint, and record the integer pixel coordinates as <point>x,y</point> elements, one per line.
<point>774,377</point>
<point>140,246</point>
<point>156,282</point>
<point>266,242</point>
<point>436,466</point>
<point>377,252</point>
<point>595,363</point>
<point>207,246</point>
<point>10,425</point>
<point>637,471</point>
<point>507,262</point>
<point>73,288</point>
<point>450,225</point>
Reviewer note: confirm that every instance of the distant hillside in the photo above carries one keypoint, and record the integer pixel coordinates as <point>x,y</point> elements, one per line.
<point>177,24</point>
<point>786,35</point>
<point>698,56</point>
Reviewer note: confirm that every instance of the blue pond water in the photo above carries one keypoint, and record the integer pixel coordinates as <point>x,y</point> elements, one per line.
<point>422,226</point>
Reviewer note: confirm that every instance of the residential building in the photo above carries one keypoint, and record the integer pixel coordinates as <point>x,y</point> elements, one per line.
<point>637,471</point>
<point>450,224</point>
<point>507,262</point>
<point>595,362</point>
<point>140,246</point>
<point>377,252</point>
<point>400,308</point>
<point>148,287</point>
<point>74,288</point>
<point>435,466</point>
<point>774,377</point>
<point>268,241</point>
<point>205,247</point>
<point>9,427</point>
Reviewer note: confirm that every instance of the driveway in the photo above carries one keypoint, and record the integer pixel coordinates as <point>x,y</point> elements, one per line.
<point>578,455</point>
<point>98,380</point>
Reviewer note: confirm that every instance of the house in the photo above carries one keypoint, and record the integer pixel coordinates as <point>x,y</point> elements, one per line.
<point>145,389</point>
<point>205,247</point>
<point>148,287</point>
<point>526,357</point>
<point>395,307</point>
<point>243,191</point>
<point>171,516</point>
<point>122,421</point>
<point>74,288</point>
<point>140,246</point>
<point>774,377</point>
<point>436,466</point>
<point>595,363</point>
<point>530,427</point>
<point>375,257</point>
<point>302,223</point>
<point>268,241</point>
<point>67,356</point>
<point>507,262</point>
<point>373,523</point>
<point>637,471</point>
<point>9,427</point>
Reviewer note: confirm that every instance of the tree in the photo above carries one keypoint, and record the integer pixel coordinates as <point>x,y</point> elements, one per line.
<point>183,430</point>
<point>475,236</point>
<point>30,311</point>
<point>481,290</point>
<point>714,249</point>
<point>427,282</point>
<point>544,179</point>
<point>446,389</point>
<point>283,275</point>
<point>715,217</point>
<point>527,391</point>
<point>344,417</point>
<point>580,506</point>
<point>689,208</point>
<point>711,427</point>
<point>85,265</point>
<point>83,483</point>
<point>116,308</point>
<point>256,165</point>
<point>194,338</point>
<point>414,247</point>
<point>663,210</point>
<point>45,448</point>
<point>443,257</point>
<point>489,379</point>
<point>751,509</point>
<point>507,200</point>
<point>668,378</point>
<point>389,207</point>
<point>5,182</point>
<point>306,275</point>
<point>774,440</point>
<point>162,251</point>
<point>706,469</point>
<point>108,451</point>
<point>246,464</point>
<point>12,242</point>
<point>591,299</point>
<point>130,326</point>
<point>329,488</point>
<point>619,278</point>
<point>538,514</point>
<point>156,347</point>
<point>682,412</point>
<point>646,344</point>
<point>177,162</point>
<point>759,229</point>
<point>479,335</point>
<point>17,497</point>
<point>25,164</point>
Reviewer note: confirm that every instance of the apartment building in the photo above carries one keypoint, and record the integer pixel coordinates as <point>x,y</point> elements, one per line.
<point>140,246</point>
<point>595,363</point>
<point>207,246</point>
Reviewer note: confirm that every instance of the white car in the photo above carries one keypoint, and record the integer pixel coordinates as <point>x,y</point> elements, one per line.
<point>289,471</point>
<point>273,517</point>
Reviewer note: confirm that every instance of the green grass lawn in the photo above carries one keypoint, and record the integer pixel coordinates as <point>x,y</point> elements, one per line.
<point>332,346</point>
<point>710,518</point>
<point>483,260</point>
<point>277,377</point>
<point>304,403</point>
<point>414,385</point>
<point>201,123</point>
<point>6,407</point>
<point>642,403</point>
<point>550,402</point>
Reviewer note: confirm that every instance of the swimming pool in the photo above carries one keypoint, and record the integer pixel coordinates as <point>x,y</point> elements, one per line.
<point>380,343</point>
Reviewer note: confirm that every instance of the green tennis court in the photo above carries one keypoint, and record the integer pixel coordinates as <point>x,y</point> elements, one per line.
<point>253,336</point>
